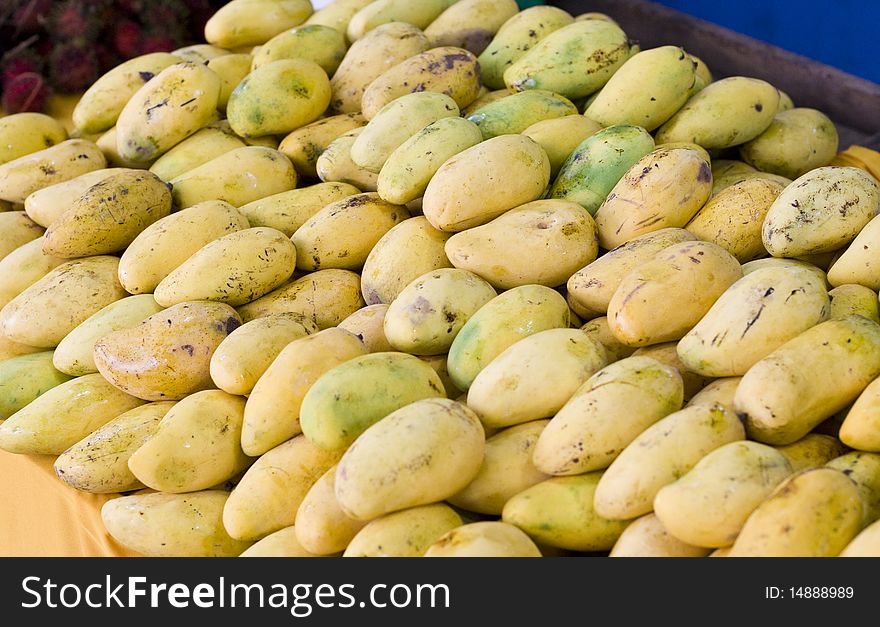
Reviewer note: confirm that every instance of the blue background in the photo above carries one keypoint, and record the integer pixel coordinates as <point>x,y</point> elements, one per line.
<point>842,33</point>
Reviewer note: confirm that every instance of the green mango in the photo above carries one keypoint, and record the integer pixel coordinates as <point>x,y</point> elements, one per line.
<point>574,61</point>
<point>516,36</point>
<point>598,163</point>
<point>517,112</point>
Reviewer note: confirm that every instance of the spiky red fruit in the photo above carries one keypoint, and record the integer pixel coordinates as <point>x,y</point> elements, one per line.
<point>158,43</point>
<point>69,20</point>
<point>164,14</point>
<point>127,38</point>
<point>29,15</point>
<point>73,67</point>
<point>106,57</point>
<point>26,92</point>
<point>22,63</point>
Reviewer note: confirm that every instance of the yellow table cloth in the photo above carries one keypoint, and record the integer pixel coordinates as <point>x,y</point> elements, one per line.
<point>42,517</point>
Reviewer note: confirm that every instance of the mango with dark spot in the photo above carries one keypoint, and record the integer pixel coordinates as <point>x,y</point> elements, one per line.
<point>342,234</point>
<point>381,48</point>
<point>287,211</point>
<point>815,513</point>
<point>657,301</point>
<point>864,469</point>
<point>108,216</point>
<point>149,361</point>
<point>809,378</point>
<point>406,252</point>
<point>336,165</point>
<point>741,327</point>
<point>447,70</point>
<point>99,462</point>
<point>395,123</point>
<point>661,454</point>
<point>733,217</point>
<point>574,61</point>
<point>278,97</point>
<point>46,311</point>
<point>27,132</point>
<point>426,316</point>
<point>665,188</point>
<point>723,114</point>
<point>100,105</point>
<point>755,470</point>
<point>605,414</point>
<point>168,242</point>
<point>172,524</point>
<point>368,324</point>
<point>64,161</point>
<point>173,105</point>
<point>590,289</point>
<point>408,170</point>
<point>327,297</point>
<point>797,141</point>
<point>821,211</point>
<point>243,357</point>
<point>515,37</point>
<point>470,24</point>
<point>304,145</point>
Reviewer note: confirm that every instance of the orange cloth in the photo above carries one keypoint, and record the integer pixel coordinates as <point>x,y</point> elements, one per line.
<point>42,517</point>
<point>860,157</point>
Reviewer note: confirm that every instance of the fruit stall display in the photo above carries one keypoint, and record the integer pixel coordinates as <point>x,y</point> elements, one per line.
<point>446,278</point>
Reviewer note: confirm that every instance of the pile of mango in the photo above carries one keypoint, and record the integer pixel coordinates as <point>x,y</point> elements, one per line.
<point>443,278</point>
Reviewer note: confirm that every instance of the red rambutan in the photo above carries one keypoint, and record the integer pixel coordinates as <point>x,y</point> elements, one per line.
<point>127,38</point>
<point>73,67</point>
<point>29,15</point>
<point>158,43</point>
<point>69,20</point>
<point>26,92</point>
<point>22,62</point>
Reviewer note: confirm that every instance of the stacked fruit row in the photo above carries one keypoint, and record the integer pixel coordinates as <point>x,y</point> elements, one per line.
<point>311,288</point>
